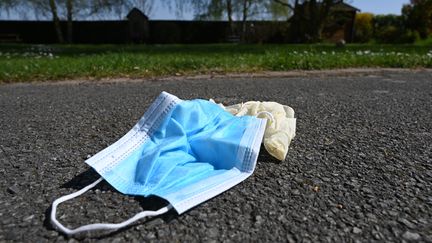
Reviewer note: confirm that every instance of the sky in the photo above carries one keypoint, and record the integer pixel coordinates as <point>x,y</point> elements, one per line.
<point>372,6</point>
<point>380,6</point>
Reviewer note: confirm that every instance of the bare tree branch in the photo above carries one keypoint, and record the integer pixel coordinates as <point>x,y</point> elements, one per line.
<point>284,4</point>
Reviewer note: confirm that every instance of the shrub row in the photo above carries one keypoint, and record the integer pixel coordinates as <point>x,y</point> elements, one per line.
<point>391,29</point>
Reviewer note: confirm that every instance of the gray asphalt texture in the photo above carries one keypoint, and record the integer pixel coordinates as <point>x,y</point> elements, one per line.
<point>359,169</point>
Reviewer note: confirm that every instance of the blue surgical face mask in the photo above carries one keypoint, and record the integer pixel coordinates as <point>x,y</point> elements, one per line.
<point>183,151</point>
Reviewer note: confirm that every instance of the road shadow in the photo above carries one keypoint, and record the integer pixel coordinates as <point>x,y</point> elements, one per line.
<point>265,157</point>
<point>150,203</point>
<point>86,178</point>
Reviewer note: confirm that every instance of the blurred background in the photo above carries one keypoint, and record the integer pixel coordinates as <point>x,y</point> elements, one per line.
<point>214,21</point>
<point>69,39</point>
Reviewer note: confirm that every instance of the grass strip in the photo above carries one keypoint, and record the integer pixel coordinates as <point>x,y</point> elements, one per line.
<point>23,63</point>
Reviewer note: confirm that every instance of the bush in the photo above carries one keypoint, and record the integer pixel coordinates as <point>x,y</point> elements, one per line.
<point>410,36</point>
<point>363,27</point>
<point>387,34</point>
<point>380,21</point>
<point>393,35</point>
<point>392,29</point>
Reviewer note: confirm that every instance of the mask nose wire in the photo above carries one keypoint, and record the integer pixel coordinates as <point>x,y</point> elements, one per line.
<point>97,226</point>
<point>273,120</point>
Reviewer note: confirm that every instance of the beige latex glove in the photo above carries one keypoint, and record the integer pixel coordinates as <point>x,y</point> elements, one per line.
<point>281,124</point>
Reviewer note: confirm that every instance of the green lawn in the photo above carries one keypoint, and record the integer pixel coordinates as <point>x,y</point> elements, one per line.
<point>21,63</point>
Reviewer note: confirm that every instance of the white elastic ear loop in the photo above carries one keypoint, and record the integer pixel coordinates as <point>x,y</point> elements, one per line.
<point>269,114</point>
<point>98,226</point>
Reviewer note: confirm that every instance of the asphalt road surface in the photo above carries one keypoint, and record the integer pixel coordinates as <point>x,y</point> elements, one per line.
<point>359,169</point>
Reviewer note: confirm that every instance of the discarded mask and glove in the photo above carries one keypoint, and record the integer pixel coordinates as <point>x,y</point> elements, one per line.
<point>281,124</point>
<point>186,152</point>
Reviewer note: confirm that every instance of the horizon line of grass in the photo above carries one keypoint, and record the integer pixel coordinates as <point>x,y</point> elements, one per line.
<point>24,63</point>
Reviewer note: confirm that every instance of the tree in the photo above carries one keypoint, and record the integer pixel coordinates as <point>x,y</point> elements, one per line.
<point>309,18</point>
<point>230,10</point>
<point>56,20</point>
<point>53,8</point>
<point>275,11</point>
<point>76,7</point>
<point>69,10</point>
<point>418,16</point>
<point>90,8</point>
<point>363,27</point>
<point>16,7</point>
<point>6,5</point>
<point>246,6</point>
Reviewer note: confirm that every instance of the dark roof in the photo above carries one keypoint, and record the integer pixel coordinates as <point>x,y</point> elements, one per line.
<point>136,12</point>
<point>341,6</point>
<point>344,7</point>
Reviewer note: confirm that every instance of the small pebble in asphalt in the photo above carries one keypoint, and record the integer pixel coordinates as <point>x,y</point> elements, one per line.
<point>356,230</point>
<point>411,236</point>
<point>13,189</point>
